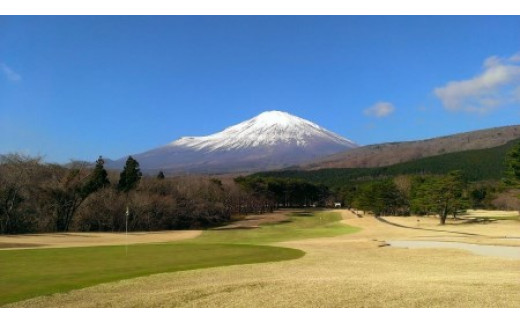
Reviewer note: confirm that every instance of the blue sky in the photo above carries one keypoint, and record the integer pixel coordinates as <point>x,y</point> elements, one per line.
<point>75,87</point>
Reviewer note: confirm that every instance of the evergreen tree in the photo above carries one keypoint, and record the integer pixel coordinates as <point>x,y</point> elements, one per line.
<point>160,175</point>
<point>441,194</point>
<point>98,179</point>
<point>380,197</point>
<point>513,166</point>
<point>130,176</point>
<point>449,193</point>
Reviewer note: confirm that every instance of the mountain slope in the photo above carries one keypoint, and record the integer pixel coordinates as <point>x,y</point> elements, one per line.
<point>476,165</point>
<point>271,140</point>
<point>393,153</point>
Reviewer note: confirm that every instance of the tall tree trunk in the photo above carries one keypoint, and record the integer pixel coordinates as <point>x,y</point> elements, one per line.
<point>444,214</point>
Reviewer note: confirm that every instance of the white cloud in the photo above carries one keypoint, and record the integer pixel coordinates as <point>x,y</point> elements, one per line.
<point>516,94</point>
<point>380,110</point>
<point>9,73</point>
<point>492,61</point>
<point>491,89</point>
<point>515,57</point>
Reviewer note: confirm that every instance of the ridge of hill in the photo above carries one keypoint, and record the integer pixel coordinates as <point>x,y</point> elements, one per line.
<point>387,154</point>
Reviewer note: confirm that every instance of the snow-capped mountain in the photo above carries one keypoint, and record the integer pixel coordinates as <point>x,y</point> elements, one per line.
<point>267,129</point>
<point>273,139</point>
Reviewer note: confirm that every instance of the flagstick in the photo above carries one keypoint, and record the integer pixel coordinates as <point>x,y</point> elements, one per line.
<point>126,231</point>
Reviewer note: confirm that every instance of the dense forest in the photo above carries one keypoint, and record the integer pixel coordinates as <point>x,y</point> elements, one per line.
<point>477,165</point>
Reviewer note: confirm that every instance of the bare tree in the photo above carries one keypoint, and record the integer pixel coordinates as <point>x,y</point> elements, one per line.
<point>16,213</point>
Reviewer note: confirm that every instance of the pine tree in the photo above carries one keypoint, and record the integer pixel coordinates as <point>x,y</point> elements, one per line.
<point>441,194</point>
<point>513,166</point>
<point>450,194</point>
<point>98,178</point>
<point>160,175</point>
<point>130,176</point>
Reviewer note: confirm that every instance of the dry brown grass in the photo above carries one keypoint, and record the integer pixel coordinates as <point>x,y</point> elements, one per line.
<point>493,233</point>
<point>345,271</point>
<point>494,213</point>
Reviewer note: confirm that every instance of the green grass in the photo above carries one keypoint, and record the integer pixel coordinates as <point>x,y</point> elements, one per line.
<point>321,224</point>
<point>29,273</point>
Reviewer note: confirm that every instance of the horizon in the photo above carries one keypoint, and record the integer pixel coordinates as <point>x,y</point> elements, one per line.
<point>74,88</point>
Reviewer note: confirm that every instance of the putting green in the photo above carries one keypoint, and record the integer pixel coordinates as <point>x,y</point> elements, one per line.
<point>30,273</point>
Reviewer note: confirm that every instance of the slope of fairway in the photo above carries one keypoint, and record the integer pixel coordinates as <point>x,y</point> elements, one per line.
<point>301,225</point>
<point>30,273</point>
<point>34,272</point>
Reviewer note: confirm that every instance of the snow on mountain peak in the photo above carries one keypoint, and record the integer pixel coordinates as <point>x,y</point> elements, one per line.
<point>275,117</point>
<point>269,128</point>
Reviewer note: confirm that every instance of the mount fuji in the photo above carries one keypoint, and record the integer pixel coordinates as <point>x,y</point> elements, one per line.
<point>271,140</point>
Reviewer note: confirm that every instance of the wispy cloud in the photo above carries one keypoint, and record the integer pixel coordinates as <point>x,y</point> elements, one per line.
<point>380,110</point>
<point>496,86</point>
<point>515,57</point>
<point>9,73</point>
<point>516,93</point>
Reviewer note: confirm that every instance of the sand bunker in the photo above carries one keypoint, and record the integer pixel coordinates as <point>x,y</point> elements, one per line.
<point>88,239</point>
<point>484,250</point>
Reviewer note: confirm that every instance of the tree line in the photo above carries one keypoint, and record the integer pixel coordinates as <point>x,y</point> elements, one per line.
<point>286,192</point>
<point>448,193</point>
<point>41,197</point>
<point>404,195</point>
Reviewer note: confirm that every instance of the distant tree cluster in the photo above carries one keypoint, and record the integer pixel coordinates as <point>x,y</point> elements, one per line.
<point>41,197</point>
<point>413,194</point>
<point>442,185</point>
<point>380,197</point>
<point>285,192</point>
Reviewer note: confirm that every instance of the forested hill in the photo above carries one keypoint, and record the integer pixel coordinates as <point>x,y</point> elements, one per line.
<point>387,154</point>
<point>480,164</point>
